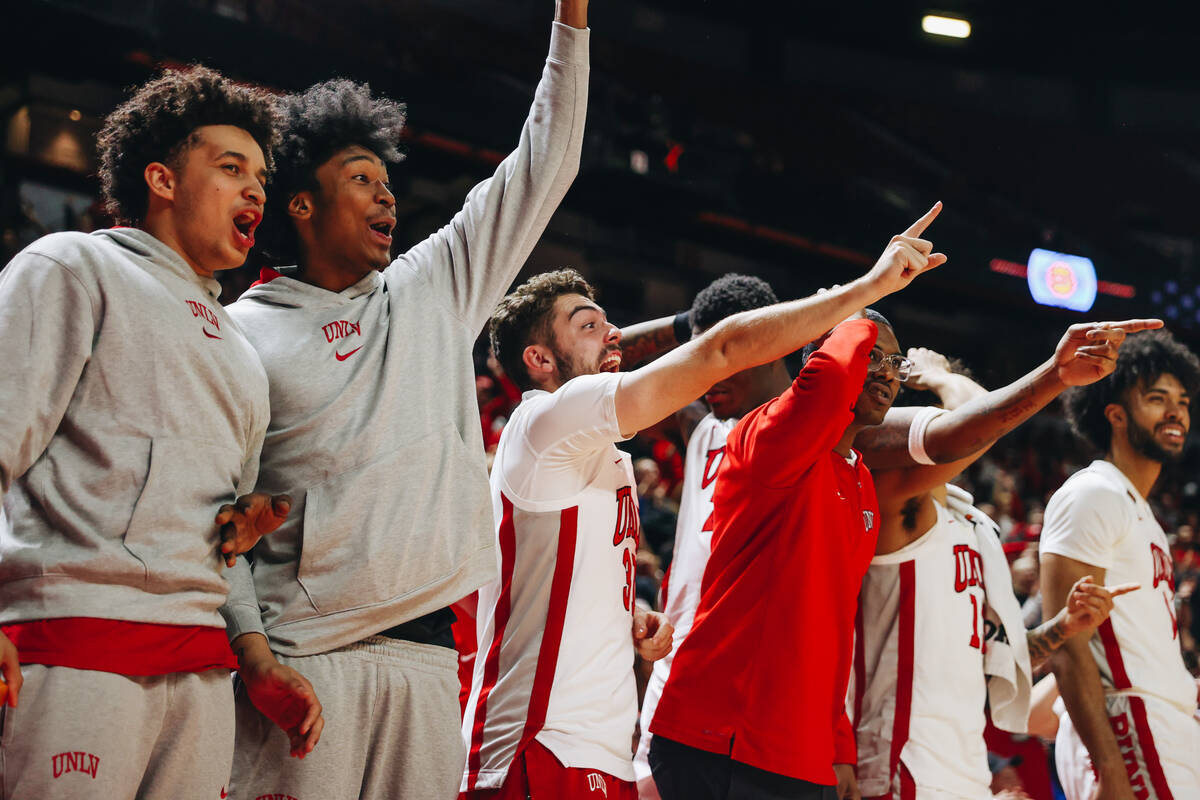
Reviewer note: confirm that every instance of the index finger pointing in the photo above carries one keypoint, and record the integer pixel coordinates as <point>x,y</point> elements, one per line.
<point>918,227</point>
<point>1133,325</point>
<point>1123,588</point>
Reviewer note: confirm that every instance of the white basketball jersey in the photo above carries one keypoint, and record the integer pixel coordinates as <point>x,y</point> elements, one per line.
<point>918,689</point>
<point>693,537</point>
<point>1099,518</point>
<point>555,631</point>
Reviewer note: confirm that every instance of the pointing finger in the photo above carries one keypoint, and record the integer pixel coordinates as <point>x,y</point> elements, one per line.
<point>918,227</point>
<point>1133,325</point>
<point>1123,588</point>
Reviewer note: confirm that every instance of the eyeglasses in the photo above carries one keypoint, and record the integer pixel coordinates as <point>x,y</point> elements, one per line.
<point>898,364</point>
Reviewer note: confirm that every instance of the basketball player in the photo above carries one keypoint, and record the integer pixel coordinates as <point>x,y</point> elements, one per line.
<point>133,408</point>
<point>375,433</point>
<point>1130,699</point>
<point>548,717</point>
<point>933,641</point>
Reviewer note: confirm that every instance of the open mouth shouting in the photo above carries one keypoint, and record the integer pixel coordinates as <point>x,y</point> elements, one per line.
<point>381,230</point>
<point>244,224</point>
<point>611,362</point>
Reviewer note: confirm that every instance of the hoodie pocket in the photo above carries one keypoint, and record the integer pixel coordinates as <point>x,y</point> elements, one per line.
<point>395,527</point>
<point>172,530</point>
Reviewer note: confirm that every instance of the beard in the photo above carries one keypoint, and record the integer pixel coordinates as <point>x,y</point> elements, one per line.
<point>567,367</point>
<point>1143,442</point>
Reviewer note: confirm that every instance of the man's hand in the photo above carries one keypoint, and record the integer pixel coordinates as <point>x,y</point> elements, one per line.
<point>249,519</point>
<point>282,694</point>
<point>10,665</point>
<point>847,782</point>
<point>1088,605</point>
<point>928,368</point>
<point>1088,351</point>
<point>651,634</point>
<point>906,256</point>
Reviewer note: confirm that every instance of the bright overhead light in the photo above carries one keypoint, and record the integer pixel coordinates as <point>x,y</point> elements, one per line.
<point>946,26</point>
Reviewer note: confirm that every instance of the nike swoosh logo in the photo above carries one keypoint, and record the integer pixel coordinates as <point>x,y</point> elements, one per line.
<point>224,793</point>
<point>341,357</point>
<point>210,335</point>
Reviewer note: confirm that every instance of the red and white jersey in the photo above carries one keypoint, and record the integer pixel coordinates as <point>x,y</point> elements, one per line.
<point>1099,518</point>
<point>693,537</point>
<point>556,651</point>
<point>918,688</point>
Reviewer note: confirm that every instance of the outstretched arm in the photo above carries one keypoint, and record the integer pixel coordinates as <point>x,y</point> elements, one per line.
<point>1086,353</point>
<point>1087,606</point>
<point>755,337</point>
<point>645,339</point>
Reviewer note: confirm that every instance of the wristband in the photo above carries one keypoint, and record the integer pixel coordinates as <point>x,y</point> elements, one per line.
<point>683,326</point>
<point>916,433</point>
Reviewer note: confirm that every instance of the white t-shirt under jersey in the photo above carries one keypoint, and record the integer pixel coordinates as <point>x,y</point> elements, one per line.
<point>1099,518</point>
<point>555,645</point>
<point>918,689</point>
<point>693,537</point>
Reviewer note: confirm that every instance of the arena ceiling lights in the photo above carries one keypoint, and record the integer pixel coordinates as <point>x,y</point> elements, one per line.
<point>949,27</point>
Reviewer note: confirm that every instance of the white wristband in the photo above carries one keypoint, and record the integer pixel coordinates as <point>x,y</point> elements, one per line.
<point>916,433</point>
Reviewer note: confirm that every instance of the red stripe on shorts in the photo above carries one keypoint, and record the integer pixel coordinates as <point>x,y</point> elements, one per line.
<point>904,665</point>
<point>1149,752</point>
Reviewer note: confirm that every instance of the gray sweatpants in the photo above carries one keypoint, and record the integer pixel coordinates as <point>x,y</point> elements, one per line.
<point>392,728</point>
<point>82,733</point>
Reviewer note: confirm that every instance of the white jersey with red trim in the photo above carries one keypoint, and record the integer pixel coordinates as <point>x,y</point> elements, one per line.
<point>693,539</point>
<point>918,688</point>
<point>555,631</point>
<point>1099,517</point>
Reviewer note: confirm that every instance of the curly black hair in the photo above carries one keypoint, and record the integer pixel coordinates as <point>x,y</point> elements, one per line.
<point>727,295</point>
<point>159,122</point>
<point>523,317</point>
<point>1143,359</point>
<point>316,123</point>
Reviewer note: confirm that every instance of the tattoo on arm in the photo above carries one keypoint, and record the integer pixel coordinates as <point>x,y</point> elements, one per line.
<point>1044,640</point>
<point>639,342</point>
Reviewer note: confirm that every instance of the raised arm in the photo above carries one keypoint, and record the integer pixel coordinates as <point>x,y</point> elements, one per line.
<point>645,339</point>
<point>1086,353</point>
<point>755,337</point>
<point>472,260</point>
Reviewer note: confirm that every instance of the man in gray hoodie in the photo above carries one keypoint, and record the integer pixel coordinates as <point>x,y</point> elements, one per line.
<point>131,409</point>
<point>375,433</point>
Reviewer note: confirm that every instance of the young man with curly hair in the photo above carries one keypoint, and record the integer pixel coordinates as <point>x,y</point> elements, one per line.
<point>553,703</point>
<point>133,408</point>
<point>1132,729</point>
<point>375,432</point>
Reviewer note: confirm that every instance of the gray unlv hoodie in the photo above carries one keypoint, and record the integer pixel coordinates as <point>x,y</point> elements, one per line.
<point>374,426</point>
<point>131,408</point>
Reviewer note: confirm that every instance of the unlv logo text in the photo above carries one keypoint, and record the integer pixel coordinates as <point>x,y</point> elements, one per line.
<point>75,762</point>
<point>596,782</point>
<point>968,568</point>
<point>1129,754</point>
<point>711,465</point>
<point>627,517</point>
<point>340,330</point>
<point>1163,569</point>
<point>204,312</point>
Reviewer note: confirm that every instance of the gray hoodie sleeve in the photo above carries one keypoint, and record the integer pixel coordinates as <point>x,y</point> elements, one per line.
<point>472,260</point>
<point>47,325</point>
<point>241,611</point>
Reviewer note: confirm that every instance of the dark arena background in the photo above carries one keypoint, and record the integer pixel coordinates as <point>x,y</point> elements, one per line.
<point>785,140</point>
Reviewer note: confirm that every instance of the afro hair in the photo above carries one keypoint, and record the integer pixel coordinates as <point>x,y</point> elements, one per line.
<point>159,122</point>
<point>1143,359</point>
<point>315,124</point>
<point>728,295</point>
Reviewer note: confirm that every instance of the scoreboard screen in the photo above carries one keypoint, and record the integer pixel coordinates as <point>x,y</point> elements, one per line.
<point>1059,279</point>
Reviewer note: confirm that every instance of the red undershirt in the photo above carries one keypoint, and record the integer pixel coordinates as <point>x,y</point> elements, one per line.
<point>125,648</point>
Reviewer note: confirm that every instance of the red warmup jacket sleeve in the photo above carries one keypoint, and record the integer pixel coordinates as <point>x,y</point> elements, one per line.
<point>810,416</point>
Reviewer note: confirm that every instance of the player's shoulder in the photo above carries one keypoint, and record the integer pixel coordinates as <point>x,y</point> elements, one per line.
<point>66,248</point>
<point>1099,485</point>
